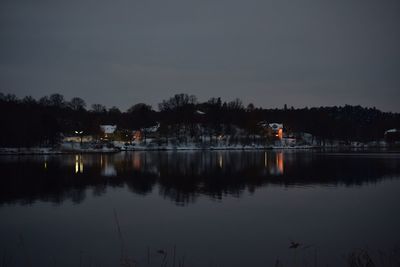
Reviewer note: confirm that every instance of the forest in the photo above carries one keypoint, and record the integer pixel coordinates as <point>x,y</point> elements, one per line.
<point>30,122</point>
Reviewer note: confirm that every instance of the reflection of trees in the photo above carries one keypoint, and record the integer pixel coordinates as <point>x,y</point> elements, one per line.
<point>182,176</point>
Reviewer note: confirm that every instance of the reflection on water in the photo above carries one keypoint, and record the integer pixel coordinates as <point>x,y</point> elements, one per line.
<point>107,167</point>
<point>78,164</point>
<point>330,203</point>
<point>275,164</point>
<point>146,162</point>
<point>182,176</point>
<point>136,162</point>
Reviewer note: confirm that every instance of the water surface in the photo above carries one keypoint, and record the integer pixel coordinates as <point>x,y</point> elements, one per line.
<point>218,208</point>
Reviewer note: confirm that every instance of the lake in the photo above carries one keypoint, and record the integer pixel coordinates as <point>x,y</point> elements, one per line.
<point>199,208</point>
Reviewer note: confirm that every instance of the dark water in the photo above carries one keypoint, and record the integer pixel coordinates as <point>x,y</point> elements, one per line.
<point>211,208</point>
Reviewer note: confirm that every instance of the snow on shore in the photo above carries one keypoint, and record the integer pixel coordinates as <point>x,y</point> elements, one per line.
<point>74,147</point>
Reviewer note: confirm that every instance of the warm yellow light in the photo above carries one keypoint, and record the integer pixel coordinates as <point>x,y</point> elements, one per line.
<point>81,166</point>
<point>279,162</point>
<point>76,166</point>
<point>137,135</point>
<point>220,161</point>
<point>280,133</point>
<point>265,160</point>
<point>137,164</point>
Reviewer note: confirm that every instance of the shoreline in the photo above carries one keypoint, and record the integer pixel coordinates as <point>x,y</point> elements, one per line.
<point>56,151</point>
<point>50,151</point>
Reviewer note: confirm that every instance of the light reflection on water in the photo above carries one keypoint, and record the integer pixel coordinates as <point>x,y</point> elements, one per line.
<point>232,208</point>
<point>143,162</point>
<point>190,174</point>
<point>78,163</point>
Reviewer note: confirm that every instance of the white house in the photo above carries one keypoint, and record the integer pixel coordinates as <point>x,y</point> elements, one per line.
<point>108,129</point>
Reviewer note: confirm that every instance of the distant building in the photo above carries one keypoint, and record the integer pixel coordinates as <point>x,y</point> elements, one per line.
<point>108,130</point>
<point>142,133</point>
<point>137,135</point>
<point>275,130</point>
<point>151,129</point>
<point>392,135</point>
<point>77,139</point>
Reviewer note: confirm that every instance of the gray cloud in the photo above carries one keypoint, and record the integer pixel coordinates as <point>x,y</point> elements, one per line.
<point>302,53</point>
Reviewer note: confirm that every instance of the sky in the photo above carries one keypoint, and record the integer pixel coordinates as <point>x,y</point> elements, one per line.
<point>268,52</point>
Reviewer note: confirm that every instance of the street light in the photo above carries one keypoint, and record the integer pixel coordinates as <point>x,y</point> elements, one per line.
<point>80,133</point>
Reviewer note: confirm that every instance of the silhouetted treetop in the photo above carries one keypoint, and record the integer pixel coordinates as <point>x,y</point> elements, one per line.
<point>177,101</point>
<point>98,108</point>
<point>77,103</point>
<point>140,107</point>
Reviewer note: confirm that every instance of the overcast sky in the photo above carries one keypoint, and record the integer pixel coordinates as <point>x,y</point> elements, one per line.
<point>269,52</point>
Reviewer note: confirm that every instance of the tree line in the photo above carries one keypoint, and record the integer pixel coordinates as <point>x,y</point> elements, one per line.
<point>28,122</point>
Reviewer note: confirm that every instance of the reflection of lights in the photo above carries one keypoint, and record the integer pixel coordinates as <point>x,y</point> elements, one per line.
<point>109,170</point>
<point>275,164</point>
<point>81,166</point>
<point>220,160</point>
<point>78,164</point>
<point>136,162</point>
<point>45,165</point>
<point>279,162</point>
<point>265,160</point>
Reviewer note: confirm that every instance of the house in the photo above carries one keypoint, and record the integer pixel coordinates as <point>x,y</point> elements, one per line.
<point>108,130</point>
<point>141,134</point>
<point>78,139</point>
<point>392,136</point>
<point>151,129</point>
<point>275,130</point>
<point>137,135</point>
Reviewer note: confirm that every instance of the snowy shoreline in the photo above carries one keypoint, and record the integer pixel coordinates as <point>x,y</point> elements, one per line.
<point>50,151</point>
<point>53,151</point>
<point>56,151</point>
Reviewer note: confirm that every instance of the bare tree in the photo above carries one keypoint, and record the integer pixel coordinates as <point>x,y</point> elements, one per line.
<point>250,107</point>
<point>77,103</point>
<point>57,100</point>
<point>44,101</point>
<point>114,110</point>
<point>236,104</point>
<point>28,100</point>
<point>99,108</point>
<point>141,107</point>
<point>177,101</point>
